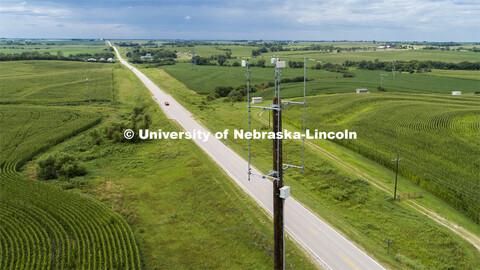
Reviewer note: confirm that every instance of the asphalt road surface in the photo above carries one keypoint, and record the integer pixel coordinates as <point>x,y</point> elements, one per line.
<point>329,248</point>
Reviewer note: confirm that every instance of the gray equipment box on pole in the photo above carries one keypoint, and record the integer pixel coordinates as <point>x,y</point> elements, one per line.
<point>284,192</point>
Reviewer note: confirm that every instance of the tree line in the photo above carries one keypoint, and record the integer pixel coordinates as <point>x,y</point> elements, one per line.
<point>48,56</point>
<point>412,66</point>
<point>160,57</point>
<point>401,66</point>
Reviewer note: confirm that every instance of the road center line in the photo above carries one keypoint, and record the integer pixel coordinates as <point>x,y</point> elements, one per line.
<point>354,266</point>
<point>311,229</point>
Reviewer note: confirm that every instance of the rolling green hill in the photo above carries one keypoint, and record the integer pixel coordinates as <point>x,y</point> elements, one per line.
<point>438,137</point>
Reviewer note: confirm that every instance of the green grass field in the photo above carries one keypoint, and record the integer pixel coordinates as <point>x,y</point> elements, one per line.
<point>53,49</point>
<point>172,207</point>
<point>206,78</point>
<point>32,129</point>
<point>43,226</point>
<point>55,82</point>
<point>354,207</point>
<point>463,74</point>
<point>418,83</point>
<point>67,47</point>
<point>387,55</point>
<point>431,132</point>
<point>183,209</point>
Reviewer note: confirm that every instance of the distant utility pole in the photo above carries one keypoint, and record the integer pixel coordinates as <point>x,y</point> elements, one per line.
<point>194,61</point>
<point>382,79</point>
<point>396,175</point>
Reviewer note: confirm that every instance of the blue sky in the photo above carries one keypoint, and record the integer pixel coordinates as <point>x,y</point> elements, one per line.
<point>430,20</point>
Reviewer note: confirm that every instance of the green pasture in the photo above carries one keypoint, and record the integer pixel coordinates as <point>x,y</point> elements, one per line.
<point>381,55</point>
<point>355,207</point>
<point>55,82</point>
<point>418,83</point>
<point>53,49</point>
<point>438,136</point>
<point>462,74</point>
<point>206,78</point>
<point>172,207</point>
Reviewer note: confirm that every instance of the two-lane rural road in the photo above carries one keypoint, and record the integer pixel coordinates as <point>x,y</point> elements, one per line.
<point>330,249</point>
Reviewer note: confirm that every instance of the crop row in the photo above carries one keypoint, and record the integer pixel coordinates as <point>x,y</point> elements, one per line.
<point>47,228</point>
<point>43,226</point>
<point>439,140</point>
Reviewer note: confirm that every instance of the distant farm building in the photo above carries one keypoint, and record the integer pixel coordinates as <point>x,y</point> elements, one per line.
<point>110,60</point>
<point>456,93</point>
<point>102,60</point>
<point>361,90</point>
<point>92,60</point>
<point>257,100</point>
<point>146,56</point>
<point>384,47</point>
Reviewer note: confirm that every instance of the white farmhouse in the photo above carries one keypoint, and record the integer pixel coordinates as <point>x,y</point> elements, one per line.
<point>256,100</point>
<point>456,93</point>
<point>361,90</point>
<point>146,56</point>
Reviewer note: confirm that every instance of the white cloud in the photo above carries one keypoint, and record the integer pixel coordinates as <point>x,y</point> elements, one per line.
<point>287,19</point>
<point>400,13</point>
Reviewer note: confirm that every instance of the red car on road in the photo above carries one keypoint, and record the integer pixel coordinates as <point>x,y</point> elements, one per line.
<point>167,104</point>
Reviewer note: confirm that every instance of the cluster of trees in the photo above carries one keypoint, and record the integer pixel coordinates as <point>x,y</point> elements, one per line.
<point>474,49</point>
<point>270,47</point>
<point>276,47</point>
<point>127,44</point>
<point>238,94</point>
<point>233,94</point>
<point>221,59</point>
<point>136,120</point>
<point>294,64</point>
<point>411,66</point>
<point>257,52</point>
<point>47,56</point>
<point>331,67</point>
<point>60,165</point>
<point>161,56</point>
<point>188,43</point>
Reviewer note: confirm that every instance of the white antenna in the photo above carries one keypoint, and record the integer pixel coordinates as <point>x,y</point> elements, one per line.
<point>281,192</point>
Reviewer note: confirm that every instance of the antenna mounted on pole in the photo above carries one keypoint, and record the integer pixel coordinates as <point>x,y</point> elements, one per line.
<point>280,192</point>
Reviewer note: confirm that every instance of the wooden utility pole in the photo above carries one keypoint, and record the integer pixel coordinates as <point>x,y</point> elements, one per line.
<point>396,175</point>
<point>278,237</point>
